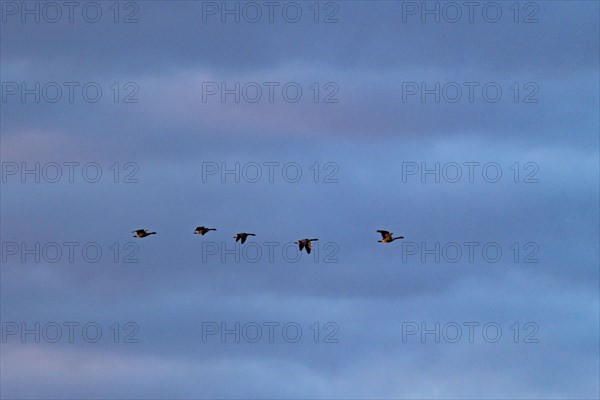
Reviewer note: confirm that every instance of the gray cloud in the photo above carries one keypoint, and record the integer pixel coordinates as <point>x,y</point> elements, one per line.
<point>370,137</point>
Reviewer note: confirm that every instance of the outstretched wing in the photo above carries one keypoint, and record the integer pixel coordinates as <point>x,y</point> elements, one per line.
<point>244,239</point>
<point>384,234</point>
<point>308,247</point>
<point>301,245</point>
<point>237,238</point>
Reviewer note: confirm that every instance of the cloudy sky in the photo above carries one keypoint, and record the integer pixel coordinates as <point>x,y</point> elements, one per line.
<point>469,129</point>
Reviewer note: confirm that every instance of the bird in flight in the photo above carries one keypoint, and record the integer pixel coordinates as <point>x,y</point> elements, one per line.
<point>142,233</point>
<point>202,230</point>
<point>243,236</point>
<point>386,237</point>
<point>305,243</point>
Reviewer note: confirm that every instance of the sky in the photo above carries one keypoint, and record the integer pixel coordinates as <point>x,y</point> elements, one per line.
<point>470,129</point>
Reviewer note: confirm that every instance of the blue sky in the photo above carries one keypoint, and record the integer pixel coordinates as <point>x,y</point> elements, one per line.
<point>476,140</point>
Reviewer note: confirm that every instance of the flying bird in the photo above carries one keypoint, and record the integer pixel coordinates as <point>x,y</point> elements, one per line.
<point>305,243</point>
<point>386,237</point>
<point>243,236</point>
<point>202,230</point>
<point>142,233</point>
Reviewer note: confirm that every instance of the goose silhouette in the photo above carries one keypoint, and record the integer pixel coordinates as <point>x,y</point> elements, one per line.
<point>243,236</point>
<point>142,233</point>
<point>201,230</point>
<point>305,243</point>
<point>386,237</point>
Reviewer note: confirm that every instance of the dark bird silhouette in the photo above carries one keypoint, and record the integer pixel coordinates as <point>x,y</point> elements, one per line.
<point>305,243</point>
<point>243,236</point>
<point>202,230</point>
<point>386,237</point>
<point>142,233</point>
